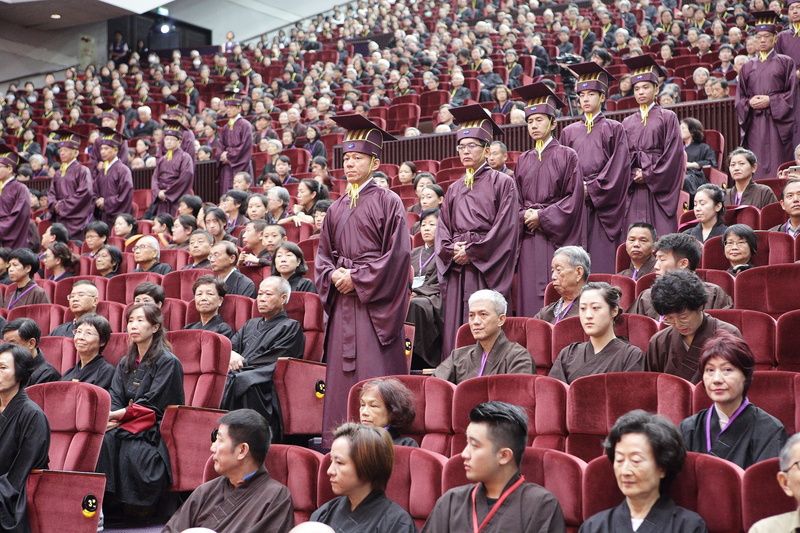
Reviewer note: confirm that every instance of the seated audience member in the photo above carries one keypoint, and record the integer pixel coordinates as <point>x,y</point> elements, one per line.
<point>216,221</point>
<point>698,155</point>
<point>55,233</point>
<point>639,247</point>
<point>60,260</point>
<point>148,292</point>
<point>425,307</point>
<point>190,204</point>
<point>242,181</point>
<point>790,201</point>
<point>127,227</point>
<point>182,229</point>
<point>680,298</point>
<point>387,403</point>
<point>320,210</point>
<point>25,436</point>
<point>709,209</point>
<point>96,236</point>
<point>381,179</point>
<point>256,348</point>
<point>309,192</point>
<point>82,301</point>
<point>5,255</point>
<point>200,242</point>
<point>492,352</point>
<point>496,439</point>
<point>255,253</point>
<point>678,251</point>
<point>223,259</point>
<point>742,165</point>
<point>22,265</point>
<point>162,229</point>
<point>599,310</point>
<point>733,428</point>
<point>790,483</point>
<point>25,332</point>
<point>570,272</point>
<point>234,204</point>
<point>288,262</point>
<point>648,454</point>
<point>147,253</point>
<point>91,334</point>
<point>278,202</point>
<point>740,244</point>
<point>274,234</point>
<point>209,292</point>
<point>239,447</point>
<point>362,458</point>
<point>108,260</point>
<point>257,206</point>
<point>148,379</point>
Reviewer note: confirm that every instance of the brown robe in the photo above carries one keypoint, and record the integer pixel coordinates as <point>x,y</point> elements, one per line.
<point>548,312</point>
<point>425,308</point>
<point>667,351</point>
<point>717,299</point>
<point>34,295</point>
<point>754,194</point>
<point>506,357</point>
<point>579,359</point>
<point>647,267</point>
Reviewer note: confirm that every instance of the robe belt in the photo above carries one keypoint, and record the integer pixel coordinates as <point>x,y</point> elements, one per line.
<point>347,304</point>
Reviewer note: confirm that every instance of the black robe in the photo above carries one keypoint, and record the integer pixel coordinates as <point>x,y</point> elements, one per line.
<point>67,329</point>
<point>216,324</point>
<point>425,308</point>
<point>157,268</point>
<point>375,514</point>
<point>697,231</point>
<point>43,372</point>
<point>664,517</point>
<point>238,283</point>
<point>754,436</point>
<point>300,284</point>
<point>98,372</point>
<point>400,440</point>
<point>579,359</point>
<point>24,446</point>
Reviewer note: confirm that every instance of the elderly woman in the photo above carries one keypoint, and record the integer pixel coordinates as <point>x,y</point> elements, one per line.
<point>147,253</point>
<point>709,209</point>
<point>209,292</point>
<point>108,260</point>
<point>571,267</point>
<point>598,310</point>
<point>277,204</point>
<point>740,244</point>
<point>388,404</point>
<point>92,333</point>
<point>647,453</point>
<point>733,428</point>
<point>362,459</point>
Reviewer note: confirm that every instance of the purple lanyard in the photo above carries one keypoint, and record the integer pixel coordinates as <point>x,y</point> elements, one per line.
<point>12,302</point>
<point>745,403</point>
<point>483,363</point>
<point>635,273</point>
<point>560,314</point>
<point>53,278</point>
<point>423,265</point>
<point>738,199</point>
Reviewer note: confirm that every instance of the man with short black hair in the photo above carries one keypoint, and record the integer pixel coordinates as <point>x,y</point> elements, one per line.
<point>223,258</point>
<point>25,332</point>
<point>22,265</point>
<point>639,247</point>
<point>200,242</point>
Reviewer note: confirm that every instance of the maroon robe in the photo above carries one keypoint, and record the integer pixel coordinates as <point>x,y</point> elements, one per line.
<point>238,142</point>
<point>176,177</point>
<point>754,194</point>
<point>365,333</point>
<point>485,218</point>
<point>505,357</point>
<point>116,188</point>
<point>15,215</point>
<point>187,145</point>
<point>656,148</point>
<point>72,191</point>
<point>553,185</point>
<point>768,132</point>
<point>95,159</point>
<point>788,44</point>
<point>605,165</point>
<point>717,299</point>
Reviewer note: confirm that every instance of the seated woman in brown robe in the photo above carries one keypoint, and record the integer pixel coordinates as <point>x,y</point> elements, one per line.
<point>740,245</point>
<point>388,404</point>
<point>598,310</point>
<point>742,164</point>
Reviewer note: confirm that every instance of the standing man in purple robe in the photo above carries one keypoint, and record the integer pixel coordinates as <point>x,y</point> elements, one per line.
<point>604,159</point>
<point>177,111</point>
<point>174,173</point>
<point>15,201</point>
<point>113,185</point>
<point>553,212</point>
<point>363,269</point>
<point>236,143</point>
<point>70,199</point>
<point>108,119</point>
<point>657,158</point>
<point>765,100</point>
<point>477,238</point>
<point>788,43</point>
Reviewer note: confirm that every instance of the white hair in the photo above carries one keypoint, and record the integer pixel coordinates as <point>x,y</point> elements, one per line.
<point>487,295</point>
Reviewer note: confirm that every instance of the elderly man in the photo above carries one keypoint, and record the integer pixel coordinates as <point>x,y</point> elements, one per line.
<point>492,352</point>
<point>497,157</point>
<point>570,271</point>
<point>25,332</point>
<point>789,481</point>
<point>200,243</point>
<point>82,301</point>
<point>174,174</point>
<point>244,497</point>
<point>15,202</point>
<point>224,257</point>
<point>488,79</point>
<point>113,181</point>
<point>458,92</point>
<point>256,349</point>
<point>718,89</point>
<point>146,124</point>
<point>70,196</point>
<point>147,253</point>
<point>236,143</point>
<point>639,247</point>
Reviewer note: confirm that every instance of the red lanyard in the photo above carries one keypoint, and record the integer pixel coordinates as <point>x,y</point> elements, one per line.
<point>498,503</point>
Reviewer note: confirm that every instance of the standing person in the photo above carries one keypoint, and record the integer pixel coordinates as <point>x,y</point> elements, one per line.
<point>15,201</point>
<point>362,272</point>
<point>176,112</point>
<point>70,196</point>
<point>236,143</point>
<point>477,237</point>
<point>552,213</point>
<point>174,174</point>
<point>113,183</point>
<point>425,307</point>
<point>765,100</point>
<point>109,118</point>
<point>657,156</point>
<point>604,159</point>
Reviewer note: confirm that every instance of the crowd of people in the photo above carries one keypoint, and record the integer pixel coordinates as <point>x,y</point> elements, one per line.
<point>501,240</point>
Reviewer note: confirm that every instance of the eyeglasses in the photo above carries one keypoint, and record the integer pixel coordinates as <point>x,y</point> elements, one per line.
<point>680,319</point>
<point>142,247</point>
<point>468,146</point>
<point>738,244</point>
<point>83,333</point>
<point>75,296</point>
<point>796,463</point>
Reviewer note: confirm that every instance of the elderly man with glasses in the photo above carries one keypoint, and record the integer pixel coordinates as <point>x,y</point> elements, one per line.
<point>82,299</point>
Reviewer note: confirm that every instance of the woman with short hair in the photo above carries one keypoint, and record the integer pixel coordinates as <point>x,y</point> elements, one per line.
<point>91,335</point>
<point>387,403</point>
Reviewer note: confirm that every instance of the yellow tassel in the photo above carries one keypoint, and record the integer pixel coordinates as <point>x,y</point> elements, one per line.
<point>230,123</point>
<point>762,56</point>
<point>106,164</point>
<point>589,122</point>
<point>169,155</point>
<point>540,148</point>
<point>796,27</point>
<point>645,110</point>
<point>469,179</point>
<point>352,192</point>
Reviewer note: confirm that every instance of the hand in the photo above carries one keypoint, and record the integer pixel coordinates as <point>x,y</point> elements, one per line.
<point>162,195</point>
<point>99,165</point>
<point>297,208</point>
<point>760,101</point>
<point>797,73</point>
<point>247,258</point>
<point>100,202</point>
<point>343,281</point>
<point>237,362</point>
<point>460,253</point>
<point>532,219</point>
<point>58,208</point>
<point>638,177</point>
<point>223,157</point>
<point>116,415</point>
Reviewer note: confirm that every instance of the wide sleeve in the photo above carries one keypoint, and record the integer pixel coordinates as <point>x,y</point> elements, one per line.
<point>288,341</point>
<point>742,98</point>
<point>240,147</point>
<point>564,221</point>
<point>444,237</point>
<point>663,171</point>
<point>15,210</point>
<point>166,387</point>
<point>121,201</point>
<point>707,156</point>
<point>610,187</point>
<point>155,186</point>
<point>81,196</point>
<point>557,371</point>
<point>521,361</point>
<point>548,518</point>
<point>782,99</point>
<point>178,186</point>
<point>770,438</point>
<point>278,514</point>
<point>325,261</point>
<point>446,369</point>
<point>439,519</point>
<point>654,361</point>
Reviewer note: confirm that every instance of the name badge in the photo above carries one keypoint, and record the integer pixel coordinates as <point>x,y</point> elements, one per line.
<point>418,282</point>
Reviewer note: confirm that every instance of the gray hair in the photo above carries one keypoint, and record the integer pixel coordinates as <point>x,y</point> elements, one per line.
<point>38,158</point>
<point>145,109</point>
<point>624,32</point>
<point>280,194</point>
<point>152,242</point>
<point>577,257</point>
<point>786,452</point>
<point>276,142</point>
<point>283,286</point>
<point>488,295</point>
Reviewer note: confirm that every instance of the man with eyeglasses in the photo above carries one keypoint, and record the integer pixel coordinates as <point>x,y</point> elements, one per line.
<point>82,300</point>
<point>789,480</point>
<point>477,238</point>
<point>147,253</point>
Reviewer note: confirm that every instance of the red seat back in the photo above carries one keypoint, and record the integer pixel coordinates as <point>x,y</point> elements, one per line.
<point>773,214</point>
<point>758,329</point>
<point>47,316</point>
<point>187,436</point>
<point>235,311</point>
<point>295,382</point>
<point>787,341</point>
<point>761,494</point>
<point>178,284</point>
<point>306,308</point>
<point>175,258</point>
<point>637,329</point>
<point>770,289</point>
<point>116,348</point>
<point>205,356</point>
<point>120,288</point>
<point>59,352</point>
<point>64,287</point>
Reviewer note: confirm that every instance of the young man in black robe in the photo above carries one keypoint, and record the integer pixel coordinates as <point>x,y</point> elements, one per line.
<point>500,500</point>
<point>25,332</point>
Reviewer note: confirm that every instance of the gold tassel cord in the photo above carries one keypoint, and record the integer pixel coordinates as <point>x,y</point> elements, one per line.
<point>796,27</point>
<point>352,192</point>
<point>645,110</point>
<point>106,164</point>
<point>169,155</point>
<point>762,56</point>
<point>469,179</point>
<point>589,122</point>
<point>539,148</point>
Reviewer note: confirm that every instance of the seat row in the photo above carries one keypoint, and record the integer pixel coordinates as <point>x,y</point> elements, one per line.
<point>765,219</point>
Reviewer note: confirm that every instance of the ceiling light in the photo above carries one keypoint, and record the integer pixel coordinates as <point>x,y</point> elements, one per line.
<point>165,28</point>
<point>55,16</point>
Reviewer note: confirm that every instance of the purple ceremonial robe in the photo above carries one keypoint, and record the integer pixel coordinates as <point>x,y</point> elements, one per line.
<point>15,215</point>
<point>365,333</point>
<point>116,189</point>
<point>238,142</point>
<point>604,160</point>
<point>187,145</point>
<point>176,177</point>
<point>769,132</point>
<point>95,160</point>
<point>656,148</point>
<point>72,191</point>
<point>484,217</point>
<point>554,186</point>
<point>788,44</point>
